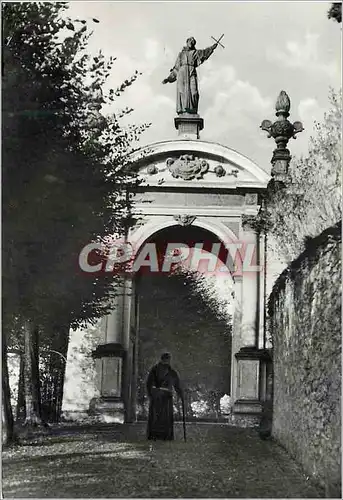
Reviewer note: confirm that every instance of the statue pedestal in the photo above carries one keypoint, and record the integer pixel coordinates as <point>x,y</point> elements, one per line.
<point>189,126</point>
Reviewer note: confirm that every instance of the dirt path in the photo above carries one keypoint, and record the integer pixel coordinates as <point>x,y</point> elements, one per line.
<point>117,461</point>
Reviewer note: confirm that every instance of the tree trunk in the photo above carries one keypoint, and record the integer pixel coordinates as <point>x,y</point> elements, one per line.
<point>21,413</point>
<point>64,342</point>
<point>35,370</point>
<point>31,375</point>
<point>8,435</point>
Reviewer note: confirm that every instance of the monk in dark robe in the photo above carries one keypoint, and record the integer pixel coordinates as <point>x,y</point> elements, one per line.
<point>160,383</point>
<point>185,75</point>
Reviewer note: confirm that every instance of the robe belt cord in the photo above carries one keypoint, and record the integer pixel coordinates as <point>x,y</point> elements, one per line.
<point>162,388</point>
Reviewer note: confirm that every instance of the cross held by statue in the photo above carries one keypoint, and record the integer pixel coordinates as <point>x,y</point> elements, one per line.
<point>218,41</point>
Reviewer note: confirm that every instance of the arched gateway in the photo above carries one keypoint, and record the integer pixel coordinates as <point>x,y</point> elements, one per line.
<point>190,182</point>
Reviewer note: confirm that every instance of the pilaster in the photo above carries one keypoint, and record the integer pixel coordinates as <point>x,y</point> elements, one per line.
<point>248,368</point>
<point>129,341</point>
<point>250,287</point>
<point>262,291</point>
<point>110,359</point>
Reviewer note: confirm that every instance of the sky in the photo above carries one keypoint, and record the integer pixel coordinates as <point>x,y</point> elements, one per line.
<point>269,47</point>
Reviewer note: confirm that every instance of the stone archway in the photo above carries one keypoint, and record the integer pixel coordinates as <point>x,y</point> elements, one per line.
<point>206,185</point>
<point>187,183</point>
<point>199,374</point>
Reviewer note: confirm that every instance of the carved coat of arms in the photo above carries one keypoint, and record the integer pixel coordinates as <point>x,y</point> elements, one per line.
<point>187,167</point>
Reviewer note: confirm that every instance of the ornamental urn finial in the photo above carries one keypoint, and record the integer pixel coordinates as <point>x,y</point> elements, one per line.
<point>281,130</point>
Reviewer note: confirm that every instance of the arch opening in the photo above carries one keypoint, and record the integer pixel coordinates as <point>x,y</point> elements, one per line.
<point>182,312</point>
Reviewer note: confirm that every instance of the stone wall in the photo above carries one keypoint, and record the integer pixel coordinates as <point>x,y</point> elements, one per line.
<point>305,315</point>
<point>80,384</point>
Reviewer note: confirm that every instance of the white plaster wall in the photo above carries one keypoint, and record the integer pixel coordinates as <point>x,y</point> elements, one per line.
<point>81,383</point>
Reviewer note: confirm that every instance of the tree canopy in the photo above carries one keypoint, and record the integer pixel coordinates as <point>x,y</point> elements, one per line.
<point>66,180</point>
<point>335,12</point>
<point>64,164</point>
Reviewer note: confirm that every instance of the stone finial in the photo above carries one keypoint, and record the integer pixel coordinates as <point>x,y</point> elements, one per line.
<point>283,104</point>
<point>281,130</point>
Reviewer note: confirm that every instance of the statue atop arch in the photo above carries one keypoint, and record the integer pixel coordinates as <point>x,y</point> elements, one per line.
<point>185,74</point>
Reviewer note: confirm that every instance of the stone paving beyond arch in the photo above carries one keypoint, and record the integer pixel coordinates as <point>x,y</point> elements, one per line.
<point>114,461</point>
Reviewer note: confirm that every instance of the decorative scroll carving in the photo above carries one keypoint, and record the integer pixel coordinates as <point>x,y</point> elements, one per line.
<point>185,220</point>
<point>234,172</point>
<point>220,171</point>
<point>187,167</point>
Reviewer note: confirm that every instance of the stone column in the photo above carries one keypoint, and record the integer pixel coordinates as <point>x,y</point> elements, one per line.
<point>246,357</point>
<point>109,359</point>
<point>128,342</point>
<point>135,357</point>
<point>250,295</point>
<point>236,335</point>
<point>128,302</point>
<point>262,292</point>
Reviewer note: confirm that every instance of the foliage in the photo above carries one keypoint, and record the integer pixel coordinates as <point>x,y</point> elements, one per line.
<point>64,164</point>
<point>204,289</point>
<point>335,11</point>
<point>65,177</point>
<point>311,199</point>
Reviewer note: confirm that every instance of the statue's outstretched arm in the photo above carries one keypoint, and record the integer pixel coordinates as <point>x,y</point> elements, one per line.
<point>204,54</point>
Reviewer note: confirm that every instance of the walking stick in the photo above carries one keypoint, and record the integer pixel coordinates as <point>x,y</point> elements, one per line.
<point>184,418</point>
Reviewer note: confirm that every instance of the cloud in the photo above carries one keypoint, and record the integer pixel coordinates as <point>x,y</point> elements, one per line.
<point>235,84</point>
<point>235,111</point>
<point>215,75</point>
<point>152,50</point>
<point>309,110</point>
<point>150,106</point>
<point>303,55</point>
<point>232,108</point>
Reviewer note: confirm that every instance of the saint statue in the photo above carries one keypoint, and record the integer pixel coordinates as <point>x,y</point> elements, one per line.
<point>185,75</point>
